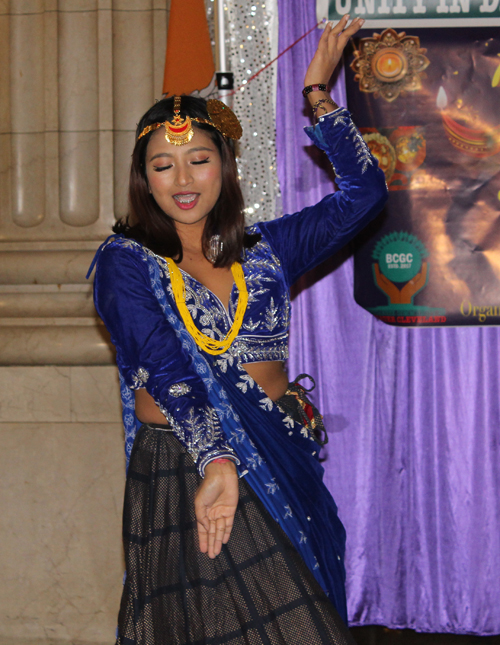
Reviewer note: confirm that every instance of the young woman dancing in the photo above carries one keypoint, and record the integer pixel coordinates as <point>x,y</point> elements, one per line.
<point>230,535</point>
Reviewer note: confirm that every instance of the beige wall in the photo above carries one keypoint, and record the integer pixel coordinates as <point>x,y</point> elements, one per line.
<point>76,76</point>
<point>61,486</point>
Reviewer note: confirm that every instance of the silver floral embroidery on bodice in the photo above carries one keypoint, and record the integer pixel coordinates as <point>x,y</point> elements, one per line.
<point>264,332</point>
<point>211,320</point>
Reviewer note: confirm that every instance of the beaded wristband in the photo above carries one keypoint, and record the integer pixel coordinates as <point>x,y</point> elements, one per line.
<point>321,87</point>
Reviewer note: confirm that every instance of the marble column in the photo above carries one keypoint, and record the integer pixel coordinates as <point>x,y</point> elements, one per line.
<point>81,72</point>
<point>27,112</point>
<point>78,111</point>
<point>76,76</point>
<point>137,79</point>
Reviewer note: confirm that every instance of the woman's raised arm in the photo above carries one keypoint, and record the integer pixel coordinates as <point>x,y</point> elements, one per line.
<point>326,58</point>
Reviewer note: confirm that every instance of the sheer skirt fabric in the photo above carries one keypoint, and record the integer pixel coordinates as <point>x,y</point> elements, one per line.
<point>258,590</point>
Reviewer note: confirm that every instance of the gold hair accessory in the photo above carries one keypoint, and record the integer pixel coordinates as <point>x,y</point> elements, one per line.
<point>206,343</point>
<point>179,131</point>
<point>223,119</point>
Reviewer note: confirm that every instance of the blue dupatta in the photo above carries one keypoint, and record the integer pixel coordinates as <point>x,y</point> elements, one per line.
<point>279,459</point>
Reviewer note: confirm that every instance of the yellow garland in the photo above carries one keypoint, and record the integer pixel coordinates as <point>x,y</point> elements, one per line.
<point>206,343</point>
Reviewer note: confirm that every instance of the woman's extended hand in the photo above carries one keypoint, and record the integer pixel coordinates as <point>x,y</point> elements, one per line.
<point>215,505</point>
<point>330,48</point>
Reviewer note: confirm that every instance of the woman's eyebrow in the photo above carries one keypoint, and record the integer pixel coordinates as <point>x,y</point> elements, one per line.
<point>160,154</point>
<point>200,148</point>
<point>167,154</point>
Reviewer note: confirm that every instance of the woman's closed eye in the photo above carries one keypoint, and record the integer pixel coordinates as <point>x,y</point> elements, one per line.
<point>193,163</point>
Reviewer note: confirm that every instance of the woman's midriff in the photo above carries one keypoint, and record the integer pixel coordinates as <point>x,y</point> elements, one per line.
<point>270,375</point>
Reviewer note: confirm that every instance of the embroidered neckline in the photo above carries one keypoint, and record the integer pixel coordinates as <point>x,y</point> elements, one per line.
<point>206,343</point>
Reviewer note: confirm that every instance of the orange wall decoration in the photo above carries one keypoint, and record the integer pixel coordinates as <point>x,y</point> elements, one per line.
<point>189,64</point>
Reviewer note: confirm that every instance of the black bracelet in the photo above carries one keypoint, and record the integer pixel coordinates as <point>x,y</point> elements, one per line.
<point>321,87</point>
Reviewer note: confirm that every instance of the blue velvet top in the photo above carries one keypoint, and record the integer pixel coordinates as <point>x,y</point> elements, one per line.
<point>149,353</point>
<point>213,405</point>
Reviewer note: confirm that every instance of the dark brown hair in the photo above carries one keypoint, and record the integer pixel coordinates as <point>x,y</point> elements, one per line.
<point>150,225</point>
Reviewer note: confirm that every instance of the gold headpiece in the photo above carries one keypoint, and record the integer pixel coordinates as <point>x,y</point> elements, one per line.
<point>179,131</point>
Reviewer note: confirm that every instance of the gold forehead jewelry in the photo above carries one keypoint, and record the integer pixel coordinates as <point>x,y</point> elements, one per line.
<point>179,131</point>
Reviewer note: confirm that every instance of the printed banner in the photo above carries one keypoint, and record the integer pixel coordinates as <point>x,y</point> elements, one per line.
<point>380,14</point>
<point>428,105</point>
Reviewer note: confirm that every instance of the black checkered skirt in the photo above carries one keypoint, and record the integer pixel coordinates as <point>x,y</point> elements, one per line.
<point>257,591</point>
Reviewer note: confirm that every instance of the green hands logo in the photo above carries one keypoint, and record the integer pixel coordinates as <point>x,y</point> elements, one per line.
<point>400,258</point>
<point>400,271</point>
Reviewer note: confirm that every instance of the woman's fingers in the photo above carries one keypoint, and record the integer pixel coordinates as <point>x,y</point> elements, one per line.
<point>339,36</point>
<point>326,32</point>
<point>355,26</point>
<point>343,30</point>
<point>340,26</point>
<point>335,37</point>
<point>203,524</point>
<point>202,537</point>
<point>213,533</point>
<point>227,532</point>
<point>215,536</point>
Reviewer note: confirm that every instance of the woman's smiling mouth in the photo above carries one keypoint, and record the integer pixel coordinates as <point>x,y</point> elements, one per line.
<point>186,200</point>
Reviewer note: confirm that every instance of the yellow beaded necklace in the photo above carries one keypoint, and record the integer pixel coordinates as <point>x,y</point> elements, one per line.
<point>206,343</point>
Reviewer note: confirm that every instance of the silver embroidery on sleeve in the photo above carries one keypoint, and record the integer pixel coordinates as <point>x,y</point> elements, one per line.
<point>202,436</point>
<point>363,153</point>
<point>342,119</point>
<point>179,389</point>
<point>362,150</point>
<point>139,378</point>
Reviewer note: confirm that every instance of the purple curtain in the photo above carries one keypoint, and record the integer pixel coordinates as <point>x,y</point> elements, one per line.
<point>412,414</point>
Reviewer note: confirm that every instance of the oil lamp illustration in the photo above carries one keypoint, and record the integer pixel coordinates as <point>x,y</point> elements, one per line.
<point>465,129</point>
<point>389,64</point>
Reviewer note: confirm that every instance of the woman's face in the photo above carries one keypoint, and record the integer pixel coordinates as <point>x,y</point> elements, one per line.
<point>184,180</point>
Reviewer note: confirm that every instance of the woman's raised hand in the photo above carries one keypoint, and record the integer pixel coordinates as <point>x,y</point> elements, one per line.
<point>330,47</point>
<point>215,505</point>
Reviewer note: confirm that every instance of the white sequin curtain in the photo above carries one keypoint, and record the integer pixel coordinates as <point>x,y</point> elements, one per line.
<point>252,41</point>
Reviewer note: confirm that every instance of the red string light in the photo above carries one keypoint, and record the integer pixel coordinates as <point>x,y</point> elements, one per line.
<point>275,59</point>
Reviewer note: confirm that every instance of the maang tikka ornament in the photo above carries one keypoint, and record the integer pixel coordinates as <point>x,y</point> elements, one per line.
<point>179,131</point>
